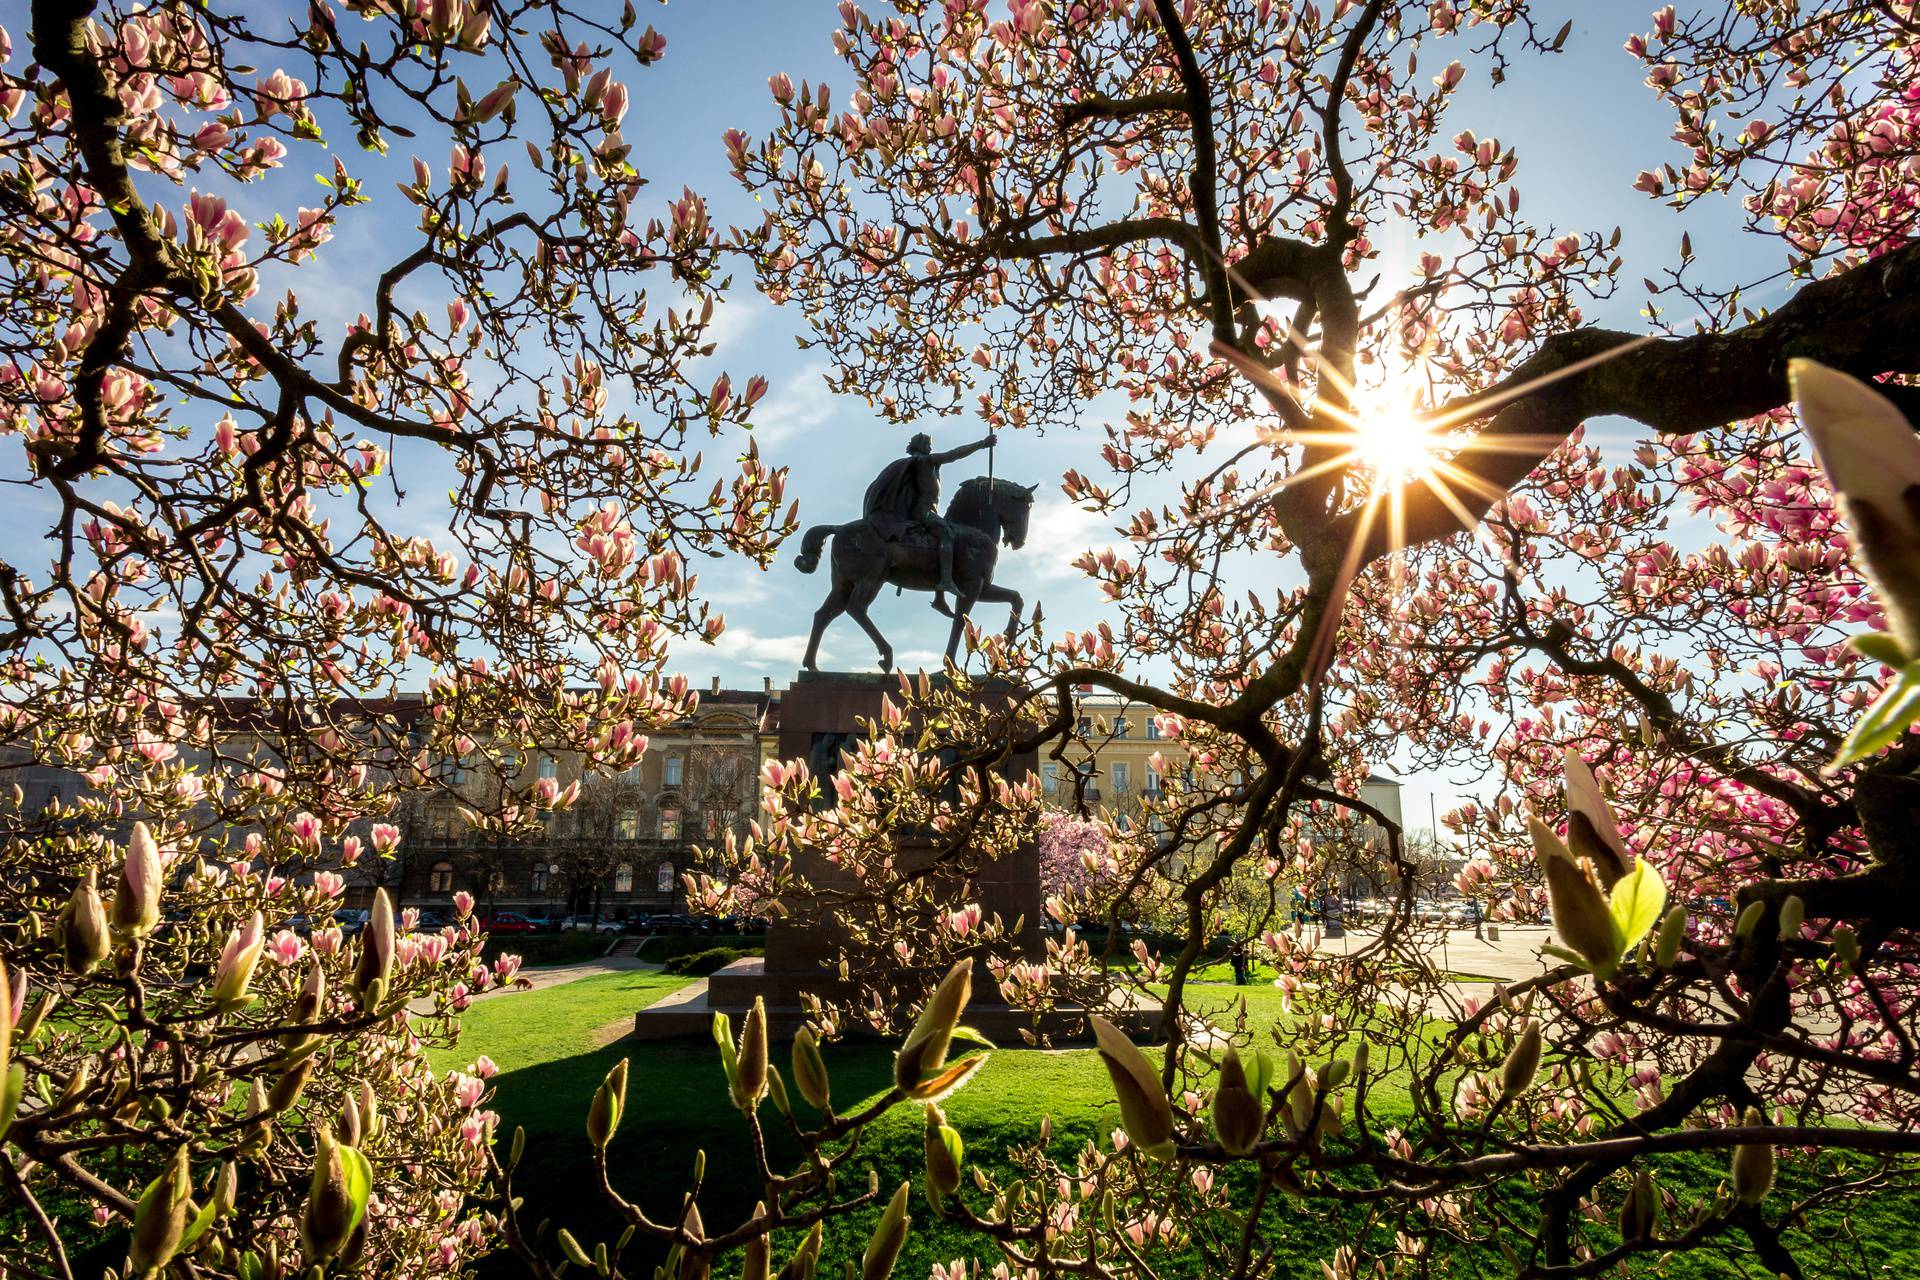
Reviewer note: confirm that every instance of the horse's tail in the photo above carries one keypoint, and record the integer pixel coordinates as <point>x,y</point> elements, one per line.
<point>812,545</point>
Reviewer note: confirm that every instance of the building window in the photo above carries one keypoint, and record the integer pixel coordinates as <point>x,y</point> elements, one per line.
<point>539,884</point>
<point>1122,727</point>
<point>440,879</point>
<point>669,824</point>
<point>1117,774</point>
<point>716,823</point>
<point>1086,726</point>
<point>549,767</point>
<point>440,822</point>
<point>664,884</point>
<point>1153,782</point>
<point>627,824</point>
<point>671,778</point>
<point>1153,728</point>
<point>1050,778</point>
<point>623,878</point>
<point>496,880</point>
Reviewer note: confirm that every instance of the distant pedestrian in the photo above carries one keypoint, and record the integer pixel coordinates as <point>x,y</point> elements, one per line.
<point>1237,957</point>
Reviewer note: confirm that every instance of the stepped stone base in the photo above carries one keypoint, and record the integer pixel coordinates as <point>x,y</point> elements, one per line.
<point>818,716</point>
<point>690,1010</point>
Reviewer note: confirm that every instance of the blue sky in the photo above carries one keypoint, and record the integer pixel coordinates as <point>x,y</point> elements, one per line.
<point>1583,125</point>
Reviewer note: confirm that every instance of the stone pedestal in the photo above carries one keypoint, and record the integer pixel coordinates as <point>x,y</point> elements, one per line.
<point>821,713</point>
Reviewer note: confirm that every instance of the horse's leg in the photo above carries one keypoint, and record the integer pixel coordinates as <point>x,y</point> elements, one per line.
<point>991,594</point>
<point>857,608</point>
<point>832,607</point>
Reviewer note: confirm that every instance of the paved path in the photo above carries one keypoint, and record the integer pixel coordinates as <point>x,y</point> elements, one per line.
<point>1514,957</point>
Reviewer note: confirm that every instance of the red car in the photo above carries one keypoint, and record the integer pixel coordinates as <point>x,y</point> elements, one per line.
<point>510,922</point>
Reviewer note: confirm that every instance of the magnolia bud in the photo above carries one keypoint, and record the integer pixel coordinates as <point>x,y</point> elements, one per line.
<point>810,1072</point>
<point>945,1152</point>
<point>917,1067</point>
<point>1753,1164</point>
<point>756,1257</point>
<point>1592,830</point>
<point>750,1063</point>
<point>289,1086</point>
<point>695,1263</point>
<point>806,1258</point>
<point>1871,455</point>
<point>1846,945</point>
<point>1673,931</point>
<point>83,926</point>
<point>375,969</point>
<point>603,1116</point>
<point>1517,1072</point>
<point>237,962</point>
<point>1793,914</point>
<point>1580,913</point>
<point>1144,1110</point>
<point>160,1219</point>
<point>307,1006</point>
<point>336,1199</point>
<point>883,1250</point>
<point>1749,919</point>
<point>136,905</point>
<point>13,1075</point>
<point>1238,1116</point>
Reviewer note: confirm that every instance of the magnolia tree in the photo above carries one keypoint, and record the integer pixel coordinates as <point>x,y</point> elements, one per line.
<point>219,380</point>
<point>1180,206</point>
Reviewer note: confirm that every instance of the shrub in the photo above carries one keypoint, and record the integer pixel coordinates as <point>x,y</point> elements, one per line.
<point>698,964</point>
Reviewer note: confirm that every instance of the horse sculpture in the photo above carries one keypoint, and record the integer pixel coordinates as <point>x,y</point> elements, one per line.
<point>984,513</point>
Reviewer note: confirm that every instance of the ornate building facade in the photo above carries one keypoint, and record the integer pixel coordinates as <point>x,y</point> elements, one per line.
<point>623,847</point>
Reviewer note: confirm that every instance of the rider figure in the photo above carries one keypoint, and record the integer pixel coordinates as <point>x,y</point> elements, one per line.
<point>908,491</point>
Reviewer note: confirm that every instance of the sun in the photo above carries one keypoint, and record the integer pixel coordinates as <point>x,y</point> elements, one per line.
<point>1394,442</point>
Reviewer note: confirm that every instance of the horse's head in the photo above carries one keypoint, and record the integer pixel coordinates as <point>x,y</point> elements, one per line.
<point>997,508</point>
<point>1013,521</point>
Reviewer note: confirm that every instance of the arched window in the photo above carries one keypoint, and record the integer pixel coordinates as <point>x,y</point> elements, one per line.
<point>665,884</point>
<point>627,825</point>
<point>539,884</point>
<point>440,879</point>
<point>623,878</point>
<point>671,778</point>
<point>670,823</point>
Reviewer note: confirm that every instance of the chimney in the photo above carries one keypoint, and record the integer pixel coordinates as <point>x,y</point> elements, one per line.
<point>716,684</point>
<point>766,684</point>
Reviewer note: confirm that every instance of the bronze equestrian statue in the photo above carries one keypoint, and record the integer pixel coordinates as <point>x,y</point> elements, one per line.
<point>901,539</point>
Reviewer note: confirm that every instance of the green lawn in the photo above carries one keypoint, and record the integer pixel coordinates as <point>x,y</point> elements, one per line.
<point>553,1048</point>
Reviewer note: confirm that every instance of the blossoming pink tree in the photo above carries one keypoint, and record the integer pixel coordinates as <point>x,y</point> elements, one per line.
<point>1017,209</point>
<point>236,585</point>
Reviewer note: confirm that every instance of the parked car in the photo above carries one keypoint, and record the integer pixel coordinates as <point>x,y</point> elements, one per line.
<point>586,924</point>
<point>681,924</point>
<point>637,923</point>
<point>430,921</point>
<point>351,920</point>
<point>1463,914</point>
<point>543,922</point>
<point>510,922</point>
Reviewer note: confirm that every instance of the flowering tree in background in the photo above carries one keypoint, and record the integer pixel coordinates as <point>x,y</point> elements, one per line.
<point>231,594</point>
<point>1184,203</point>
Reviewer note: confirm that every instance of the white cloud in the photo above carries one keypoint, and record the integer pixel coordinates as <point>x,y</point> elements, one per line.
<point>796,403</point>
<point>1061,530</point>
<point>745,647</point>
